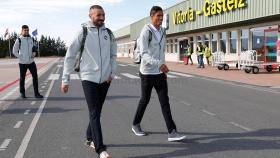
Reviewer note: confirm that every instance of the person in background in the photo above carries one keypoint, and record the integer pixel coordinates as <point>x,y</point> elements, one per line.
<point>25,50</point>
<point>208,53</point>
<point>200,53</point>
<point>188,52</point>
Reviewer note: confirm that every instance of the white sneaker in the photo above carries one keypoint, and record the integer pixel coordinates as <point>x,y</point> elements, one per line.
<point>90,144</point>
<point>104,154</point>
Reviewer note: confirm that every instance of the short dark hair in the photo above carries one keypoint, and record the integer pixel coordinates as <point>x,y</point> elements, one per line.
<point>95,7</point>
<point>155,9</point>
<point>24,27</point>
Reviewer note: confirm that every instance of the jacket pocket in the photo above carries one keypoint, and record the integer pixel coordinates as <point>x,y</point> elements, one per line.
<point>21,57</point>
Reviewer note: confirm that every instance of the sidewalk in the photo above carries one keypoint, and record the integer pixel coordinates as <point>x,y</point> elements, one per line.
<point>264,78</point>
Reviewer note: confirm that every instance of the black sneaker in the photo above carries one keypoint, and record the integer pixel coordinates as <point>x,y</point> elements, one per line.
<point>175,136</point>
<point>22,96</point>
<point>138,131</point>
<point>90,144</point>
<point>39,96</point>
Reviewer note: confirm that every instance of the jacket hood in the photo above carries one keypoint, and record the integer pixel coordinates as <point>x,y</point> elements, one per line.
<point>89,24</point>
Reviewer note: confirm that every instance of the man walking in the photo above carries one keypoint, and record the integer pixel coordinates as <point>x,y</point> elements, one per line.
<point>200,53</point>
<point>25,51</point>
<point>97,69</point>
<point>153,74</point>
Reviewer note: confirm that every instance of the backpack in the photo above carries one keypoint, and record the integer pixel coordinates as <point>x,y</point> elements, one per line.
<point>79,56</point>
<point>149,39</point>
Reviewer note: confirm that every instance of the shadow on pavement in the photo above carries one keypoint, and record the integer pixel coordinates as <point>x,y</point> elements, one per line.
<point>214,142</point>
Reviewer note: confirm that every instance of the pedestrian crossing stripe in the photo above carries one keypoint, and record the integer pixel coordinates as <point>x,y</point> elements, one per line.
<point>117,77</point>
<point>133,65</point>
<point>54,77</point>
<point>171,76</point>
<point>181,74</point>
<point>130,76</point>
<point>77,77</point>
<point>275,87</point>
<point>122,65</point>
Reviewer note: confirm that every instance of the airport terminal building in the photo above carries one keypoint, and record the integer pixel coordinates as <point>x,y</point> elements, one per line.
<point>230,26</point>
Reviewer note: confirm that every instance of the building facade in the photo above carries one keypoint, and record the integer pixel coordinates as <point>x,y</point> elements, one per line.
<point>230,26</point>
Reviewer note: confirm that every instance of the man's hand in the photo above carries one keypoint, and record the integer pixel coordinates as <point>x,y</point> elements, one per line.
<point>109,79</point>
<point>163,68</point>
<point>64,88</point>
<point>33,54</point>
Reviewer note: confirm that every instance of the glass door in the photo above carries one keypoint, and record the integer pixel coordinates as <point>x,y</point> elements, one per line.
<point>183,46</point>
<point>270,42</point>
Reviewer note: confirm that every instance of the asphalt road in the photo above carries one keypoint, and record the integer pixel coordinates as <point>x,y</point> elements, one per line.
<point>221,120</point>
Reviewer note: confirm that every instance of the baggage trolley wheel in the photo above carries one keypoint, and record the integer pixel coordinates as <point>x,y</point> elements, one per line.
<point>268,68</point>
<point>220,67</point>
<point>248,70</point>
<point>226,67</point>
<point>255,70</point>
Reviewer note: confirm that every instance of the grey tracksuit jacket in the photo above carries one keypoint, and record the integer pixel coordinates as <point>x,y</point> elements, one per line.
<point>153,52</point>
<point>99,55</point>
<point>24,53</point>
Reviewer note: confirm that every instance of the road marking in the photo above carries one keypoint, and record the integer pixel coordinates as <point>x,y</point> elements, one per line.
<point>275,87</point>
<point>9,94</point>
<point>54,77</point>
<point>41,71</point>
<point>130,76</point>
<point>18,124</point>
<point>26,112</point>
<point>132,65</point>
<point>33,102</point>
<point>74,77</point>
<point>117,77</point>
<point>122,65</point>
<point>209,113</point>
<point>171,76</point>
<point>183,102</point>
<point>43,87</point>
<point>27,137</point>
<point>5,144</point>
<point>241,126</point>
<point>59,65</point>
<point>181,74</point>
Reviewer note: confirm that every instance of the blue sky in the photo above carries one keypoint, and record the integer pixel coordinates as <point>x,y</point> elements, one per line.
<point>64,17</point>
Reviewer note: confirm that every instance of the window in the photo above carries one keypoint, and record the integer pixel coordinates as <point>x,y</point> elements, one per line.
<point>191,43</point>
<point>258,44</point>
<point>223,42</point>
<point>167,46</point>
<point>244,40</point>
<point>233,41</point>
<point>206,39</point>
<point>176,45</point>
<point>171,46</point>
<point>199,39</point>
<point>214,38</point>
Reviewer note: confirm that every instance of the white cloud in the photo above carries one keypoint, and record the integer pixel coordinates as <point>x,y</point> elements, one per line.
<point>20,10</point>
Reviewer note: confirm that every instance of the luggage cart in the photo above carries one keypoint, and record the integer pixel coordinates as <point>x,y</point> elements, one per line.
<point>249,62</point>
<point>219,60</point>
